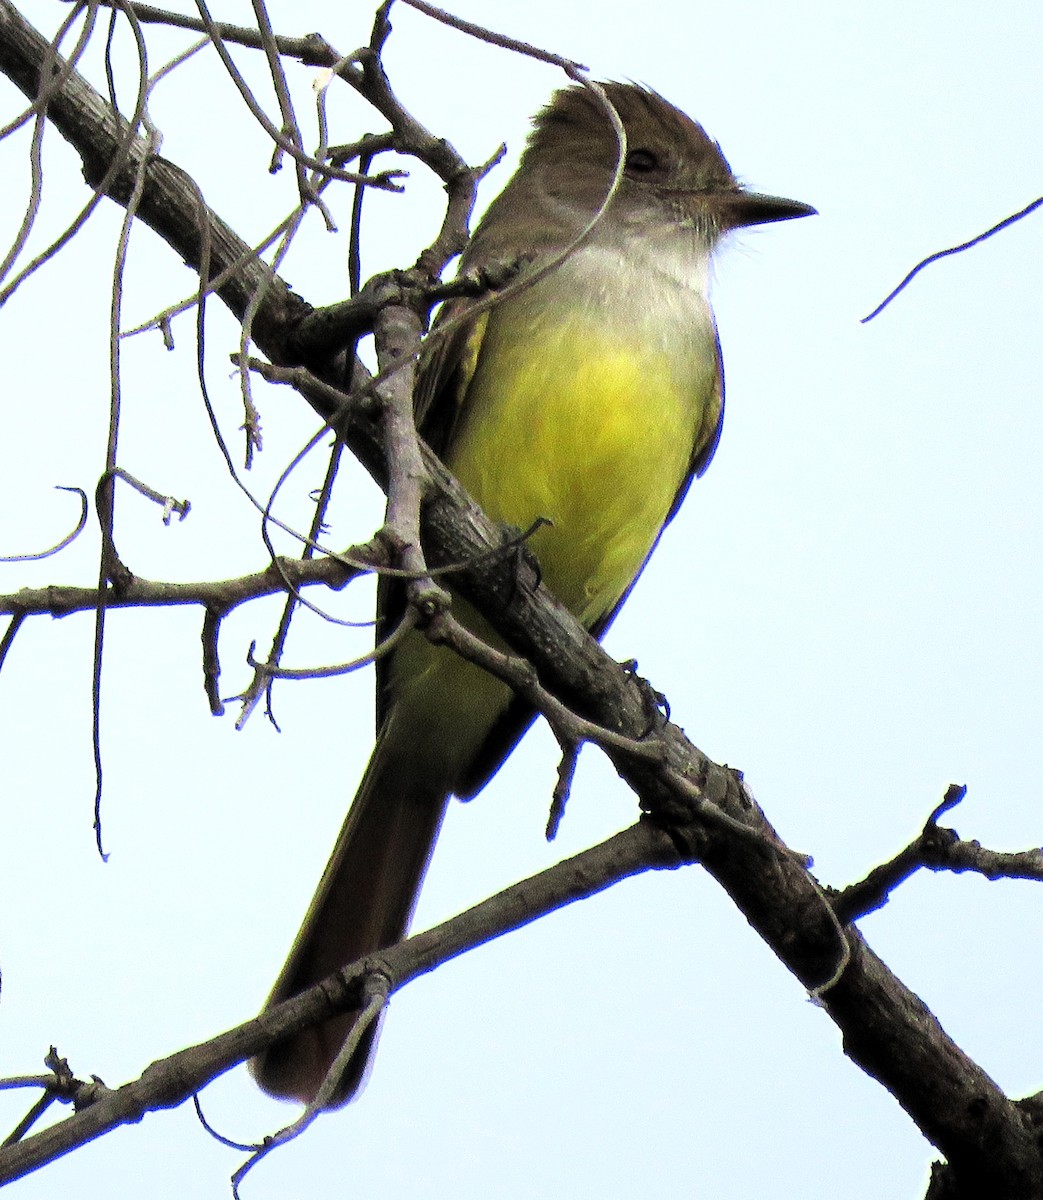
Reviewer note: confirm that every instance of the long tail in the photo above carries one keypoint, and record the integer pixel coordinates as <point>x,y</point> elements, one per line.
<point>364,902</point>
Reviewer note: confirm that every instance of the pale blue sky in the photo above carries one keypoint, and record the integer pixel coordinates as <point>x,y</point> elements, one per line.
<point>848,608</point>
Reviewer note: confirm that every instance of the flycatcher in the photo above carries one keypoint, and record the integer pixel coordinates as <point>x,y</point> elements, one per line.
<point>592,399</point>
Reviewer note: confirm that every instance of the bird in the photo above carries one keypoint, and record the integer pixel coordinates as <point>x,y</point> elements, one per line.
<point>588,400</point>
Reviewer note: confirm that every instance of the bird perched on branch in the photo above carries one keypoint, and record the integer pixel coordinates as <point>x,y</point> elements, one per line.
<point>591,399</point>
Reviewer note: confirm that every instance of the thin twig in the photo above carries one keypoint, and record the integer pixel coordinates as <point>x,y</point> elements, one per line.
<point>936,849</point>
<point>386,180</point>
<point>483,34</point>
<point>246,1147</point>
<point>266,670</point>
<point>10,633</point>
<point>563,785</point>
<point>377,988</point>
<point>109,567</point>
<point>47,87</point>
<point>262,682</point>
<point>65,541</point>
<point>49,84</point>
<point>933,258</point>
<point>222,595</point>
<point>311,50</point>
<point>30,1119</point>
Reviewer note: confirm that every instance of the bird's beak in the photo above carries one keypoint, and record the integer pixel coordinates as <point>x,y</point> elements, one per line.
<point>738,209</point>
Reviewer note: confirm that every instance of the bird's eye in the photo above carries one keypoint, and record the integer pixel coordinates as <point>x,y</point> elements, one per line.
<point>642,162</point>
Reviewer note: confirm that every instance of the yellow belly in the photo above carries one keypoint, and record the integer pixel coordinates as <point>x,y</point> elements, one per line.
<point>589,423</point>
<point>593,435</point>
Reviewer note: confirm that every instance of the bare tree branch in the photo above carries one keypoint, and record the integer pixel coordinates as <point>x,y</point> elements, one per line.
<point>173,1080</point>
<point>988,1140</point>
<point>936,849</point>
<point>220,595</point>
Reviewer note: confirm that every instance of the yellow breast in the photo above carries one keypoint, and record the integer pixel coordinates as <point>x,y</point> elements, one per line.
<point>587,400</point>
<point>587,414</point>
